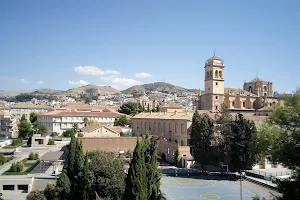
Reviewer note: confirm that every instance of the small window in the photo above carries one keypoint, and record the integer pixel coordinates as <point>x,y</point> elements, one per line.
<point>244,104</point>
<point>233,103</point>
<point>173,152</point>
<point>168,151</point>
<point>216,107</point>
<point>22,187</point>
<point>216,83</point>
<point>208,88</point>
<point>216,97</point>
<point>8,187</point>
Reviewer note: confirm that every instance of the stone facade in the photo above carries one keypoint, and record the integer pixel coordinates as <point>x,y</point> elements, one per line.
<point>254,95</point>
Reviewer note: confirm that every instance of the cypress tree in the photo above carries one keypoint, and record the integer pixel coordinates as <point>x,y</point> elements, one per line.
<point>71,157</point>
<point>79,158</point>
<point>242,138</point>
<point>136,181</point>
<point>63,186</point>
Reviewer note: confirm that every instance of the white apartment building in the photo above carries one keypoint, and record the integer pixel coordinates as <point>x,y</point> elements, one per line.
<point>18,110</point>
<point>60,120</point>
<point>8,125</point>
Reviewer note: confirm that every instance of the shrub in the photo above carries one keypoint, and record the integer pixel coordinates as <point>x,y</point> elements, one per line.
<point>17,167</point>
<point>16,142</point>
<point>54,134</point>
<point>36,156</point>
<point>51,142</point>
<point>67,133</point>
<point>2,159</point>
<point>31,156</point>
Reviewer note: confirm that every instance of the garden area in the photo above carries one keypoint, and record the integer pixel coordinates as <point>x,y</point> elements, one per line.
<point>4,159</point>
<point>15,143</point>
<point>23,167</point>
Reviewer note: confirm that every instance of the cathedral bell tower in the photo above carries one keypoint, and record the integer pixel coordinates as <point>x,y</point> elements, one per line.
<point>213,97</point>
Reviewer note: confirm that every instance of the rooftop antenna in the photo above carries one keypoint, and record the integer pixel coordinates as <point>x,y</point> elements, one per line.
<point>214,52</point>
<point>257,74</point>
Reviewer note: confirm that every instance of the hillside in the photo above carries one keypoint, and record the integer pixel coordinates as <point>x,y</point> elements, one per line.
<point>92,89</point>
<point>48,91</point>
<point>158,86</point>
<point>11,93</point>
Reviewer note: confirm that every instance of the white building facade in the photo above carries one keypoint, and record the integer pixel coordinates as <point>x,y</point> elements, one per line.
<point>61,120</point>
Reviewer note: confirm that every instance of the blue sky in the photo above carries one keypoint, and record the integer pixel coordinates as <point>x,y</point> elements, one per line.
<point>64,44</point>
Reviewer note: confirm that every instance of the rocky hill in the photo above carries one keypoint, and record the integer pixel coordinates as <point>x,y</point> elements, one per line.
<point>158,86</point>
<point>92,89</point>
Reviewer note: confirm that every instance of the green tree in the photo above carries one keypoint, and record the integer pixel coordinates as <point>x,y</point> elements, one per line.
<point>148,108</point>
<point>51,142</point>
<point>36,195</point>
<point>130,108</point>
<point>39,128</point>
<point>176,157</point>
<point>71,157</point>
<point>136,181</point>
<point>33,117</point>
<point>75,127</point>
<point>258,198</point>
<point>24,127</point>
<point>79,158</point>
<point>17,167</point>
<point>83,183</point>
<point>107,175</point>
<point>63,186</point>
<point>287,147</point>
<point>67,133</point>
<point>50,192</point>
<point>242,147</point>
<point>85,121</point>
<point>122,121</point>
<point>201,137</point>
<point>2,159</point>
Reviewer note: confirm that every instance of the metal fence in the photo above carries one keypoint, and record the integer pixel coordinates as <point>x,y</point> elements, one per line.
<point>268,175</point>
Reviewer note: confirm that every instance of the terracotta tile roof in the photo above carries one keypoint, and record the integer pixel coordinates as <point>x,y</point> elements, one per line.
<point>172,105</point>
<point>117,129</point>
<point>115,145</point>
<point>236,91</point>
<point>90,128</point>
<point>30,106</point>
<point>164,115</point>
<point>82,114</point>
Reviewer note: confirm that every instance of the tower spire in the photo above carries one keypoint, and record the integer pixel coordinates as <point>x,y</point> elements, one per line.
<point>214,52</point>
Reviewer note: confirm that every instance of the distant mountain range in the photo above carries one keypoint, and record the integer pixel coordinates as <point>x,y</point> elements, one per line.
<point>104,90</point>
<point>158,86</point>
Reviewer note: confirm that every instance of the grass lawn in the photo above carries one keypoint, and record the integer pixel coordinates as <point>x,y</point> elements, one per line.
<point>29,165</point>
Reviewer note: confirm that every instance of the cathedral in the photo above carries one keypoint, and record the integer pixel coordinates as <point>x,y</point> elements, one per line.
<point>255,95</point>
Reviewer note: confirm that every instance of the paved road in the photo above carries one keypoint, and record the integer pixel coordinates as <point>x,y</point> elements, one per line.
<point>260,190</point>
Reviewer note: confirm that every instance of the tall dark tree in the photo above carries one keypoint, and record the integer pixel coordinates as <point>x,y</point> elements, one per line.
<point>71,157</point>
<point>148,108</point>
<point>84,188</point>
<point>33,117</point>
<point>63,186</point>
<point>201,138</point>
<point>79,158</point>
<point>242,152</point>
<point>136,181</point>
<point>287,146</point>
<point>224,129</point>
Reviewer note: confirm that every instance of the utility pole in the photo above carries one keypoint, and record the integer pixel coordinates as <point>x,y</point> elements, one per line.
<point>241,187</point>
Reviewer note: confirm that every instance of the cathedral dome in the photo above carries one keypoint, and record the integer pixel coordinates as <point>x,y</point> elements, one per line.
<point>214,58</point>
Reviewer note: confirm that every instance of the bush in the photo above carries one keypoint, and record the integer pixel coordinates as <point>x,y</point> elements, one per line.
<point>2,159</point>
<point>36,156</point>
<point>67,133</point>
<point>17,167</point>
<point>80,134</point>
<point>54,134</point>
<point>31,156</point>
<point>51,142</point>
<point>16,142</point>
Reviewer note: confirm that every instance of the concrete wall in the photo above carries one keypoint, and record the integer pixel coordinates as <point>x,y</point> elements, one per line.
<point>101,132</point>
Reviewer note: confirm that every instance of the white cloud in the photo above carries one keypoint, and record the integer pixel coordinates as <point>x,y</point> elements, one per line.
<point>143,75</point>
<point>108,78</point>
<point>80,82</point>
<point>123,83</point>
<point>93,70</point>
<point>23,81</point>
<point>40,82</point>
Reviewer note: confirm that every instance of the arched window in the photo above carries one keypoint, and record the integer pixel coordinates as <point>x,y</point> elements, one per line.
<point>176,128</point>
<point>233,103</point>
<point>220,74</point>
<point>207,74</point>
<point>250,89</point>
<point>210,74</point>
<point>216,73</point>
<point>181,143</point>
<point>244,104</point>
<point>265,88</point>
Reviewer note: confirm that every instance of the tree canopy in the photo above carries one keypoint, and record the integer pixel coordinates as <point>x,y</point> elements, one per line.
<point>130,108</point>
<point>122,121</point>
<point>33,117</point>
<point>36,195</point>
<point>24,127</point>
